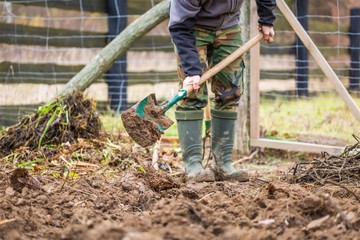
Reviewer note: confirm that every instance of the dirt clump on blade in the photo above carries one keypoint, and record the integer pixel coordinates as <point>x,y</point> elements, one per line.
<point>143,132</point>
<point>146,128</point>
<point>62,120</point>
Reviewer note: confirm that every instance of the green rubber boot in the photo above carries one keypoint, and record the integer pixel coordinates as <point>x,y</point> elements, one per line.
<point>190,136</point>
<point>222,143</point>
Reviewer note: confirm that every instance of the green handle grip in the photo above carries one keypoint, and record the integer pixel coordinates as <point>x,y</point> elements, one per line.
<point>172,101</point>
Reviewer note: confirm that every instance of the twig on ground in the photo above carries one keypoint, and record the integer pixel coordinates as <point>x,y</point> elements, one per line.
<point>2,222</point>
<point>207,195</point>
<point>176,174</point>
<point>208,160</point>
<point>65,161</point>
<point>112,145</point>
<point>170,169</point>
<point>261,180</point>
<point>155,156</point>
<point>341,186</point>
<point>248,158</point>
<point>66,178</point>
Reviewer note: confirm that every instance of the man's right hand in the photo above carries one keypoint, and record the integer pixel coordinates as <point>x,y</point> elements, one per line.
<point>192,80</point>
<point>268,32</point>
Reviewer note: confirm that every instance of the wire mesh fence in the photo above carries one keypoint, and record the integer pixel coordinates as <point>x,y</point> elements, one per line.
<point>298,101</point>
<point>45,43</point>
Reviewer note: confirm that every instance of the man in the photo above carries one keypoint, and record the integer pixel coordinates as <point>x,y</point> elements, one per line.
<point>204,32</point>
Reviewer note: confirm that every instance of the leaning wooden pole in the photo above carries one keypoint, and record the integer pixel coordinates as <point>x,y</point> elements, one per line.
<point>106,57</point>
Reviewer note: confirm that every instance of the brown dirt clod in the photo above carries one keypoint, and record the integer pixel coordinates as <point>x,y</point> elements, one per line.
<point>144,130</point>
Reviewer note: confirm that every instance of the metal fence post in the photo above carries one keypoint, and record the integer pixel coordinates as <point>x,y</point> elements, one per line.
<point>116,76</point>
<point>302,69</point>
<point>354,78</point>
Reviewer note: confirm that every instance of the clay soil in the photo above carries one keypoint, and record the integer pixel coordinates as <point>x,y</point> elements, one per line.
<point>144,130</point>
<point>107,188</point>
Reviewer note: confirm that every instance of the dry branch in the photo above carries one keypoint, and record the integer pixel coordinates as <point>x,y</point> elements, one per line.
<point>2,222</point>
<point>330,169</point>
<point>345,167</point>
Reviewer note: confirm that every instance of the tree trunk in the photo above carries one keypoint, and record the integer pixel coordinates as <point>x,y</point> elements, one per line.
<point>106,57</point>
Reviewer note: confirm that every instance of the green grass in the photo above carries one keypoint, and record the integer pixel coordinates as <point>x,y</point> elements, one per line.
<point>325,116</point>
<point>112,122</point>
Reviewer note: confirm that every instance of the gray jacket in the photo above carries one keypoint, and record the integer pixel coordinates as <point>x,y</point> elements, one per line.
<point>210,14</point>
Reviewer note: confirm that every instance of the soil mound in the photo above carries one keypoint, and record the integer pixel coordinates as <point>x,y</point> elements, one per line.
<point>62,120</point>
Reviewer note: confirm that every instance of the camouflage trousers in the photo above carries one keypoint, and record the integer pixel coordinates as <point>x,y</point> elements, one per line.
<point>227,85</point>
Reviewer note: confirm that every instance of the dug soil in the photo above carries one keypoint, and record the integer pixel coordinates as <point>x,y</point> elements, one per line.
<point>144,128</point>
<point>121,202</point>
<point>107,187</point>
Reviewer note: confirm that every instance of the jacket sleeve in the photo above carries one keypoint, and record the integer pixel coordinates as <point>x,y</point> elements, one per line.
<point>181,26</point>
<point>265,9</point>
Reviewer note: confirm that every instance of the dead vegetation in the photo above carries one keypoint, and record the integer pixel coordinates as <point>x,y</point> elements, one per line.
<point>60,121</point>
<point>330,169</point>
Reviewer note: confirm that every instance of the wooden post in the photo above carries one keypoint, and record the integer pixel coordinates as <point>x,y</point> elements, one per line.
<point>116,76</point>
<point>255,77</point>
<point>302,68</point>
<point>354,81</point>
<point>242,134</point>
<point>107,56</point>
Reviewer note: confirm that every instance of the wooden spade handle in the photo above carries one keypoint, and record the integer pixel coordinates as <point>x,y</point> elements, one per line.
<point>226,61</point>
